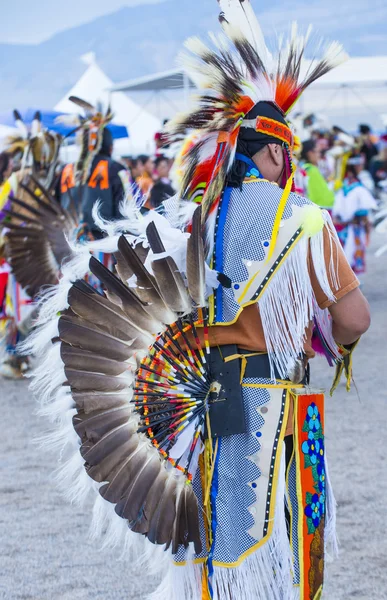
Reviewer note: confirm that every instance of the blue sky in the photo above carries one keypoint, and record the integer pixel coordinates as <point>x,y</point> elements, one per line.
<point>31,21</point>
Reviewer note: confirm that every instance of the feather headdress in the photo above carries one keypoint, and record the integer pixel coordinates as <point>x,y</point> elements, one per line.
<point>91,128</point>
<point>37,145</point>
<point>235,72</point>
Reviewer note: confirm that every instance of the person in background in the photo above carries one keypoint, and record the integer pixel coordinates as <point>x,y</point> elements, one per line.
<point>144,180</point>
<point>351,212</point>
<point>368,147</point>
<point>162,170</point>
<point>162,188</point>
<point>317,188</point>
<point>5,173</point>
<point>135,168</point>
<point>12,365</point>
<point>108,183</point>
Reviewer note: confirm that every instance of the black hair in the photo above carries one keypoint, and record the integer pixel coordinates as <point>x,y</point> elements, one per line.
<point>143,158</point>
<point>107,142</point>
<point>364,129</point>
<point>159,193</point>
<point>160,159</point>
<point>4,164</point>
<point>307,147</point>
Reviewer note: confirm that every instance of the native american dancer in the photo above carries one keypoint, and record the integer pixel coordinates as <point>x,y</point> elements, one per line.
<point>95,179</point>
<point>20,201</point>
<point>181,394</point>
<point>353,206</point>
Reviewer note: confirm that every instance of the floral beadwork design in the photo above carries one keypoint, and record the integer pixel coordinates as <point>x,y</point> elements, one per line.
<point>313,418</point>
<point>315,508</point>
<point>314,453</point>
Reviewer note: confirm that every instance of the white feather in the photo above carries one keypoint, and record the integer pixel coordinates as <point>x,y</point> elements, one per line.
<point>242,22</point>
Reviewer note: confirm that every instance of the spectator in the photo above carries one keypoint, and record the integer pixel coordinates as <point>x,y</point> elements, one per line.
<point>162,169</point>
<point>144,180</point>
<point>368,147</point>
<point>162,188</point>
<point>317,188</point>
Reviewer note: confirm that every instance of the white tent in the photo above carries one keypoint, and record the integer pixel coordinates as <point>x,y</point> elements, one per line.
<point>353,92</point>
<point>94,86</point>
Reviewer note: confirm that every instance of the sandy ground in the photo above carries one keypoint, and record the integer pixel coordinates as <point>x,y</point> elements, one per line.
<point>45,553</point>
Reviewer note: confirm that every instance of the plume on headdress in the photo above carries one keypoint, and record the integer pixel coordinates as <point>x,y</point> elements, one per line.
<point>91,126</point>
<point>234,73</point>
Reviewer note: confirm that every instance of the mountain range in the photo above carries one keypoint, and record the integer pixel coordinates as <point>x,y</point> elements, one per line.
<point>144,39</point>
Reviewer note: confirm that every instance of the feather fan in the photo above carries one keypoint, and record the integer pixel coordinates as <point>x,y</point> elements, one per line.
<point>36,244</point>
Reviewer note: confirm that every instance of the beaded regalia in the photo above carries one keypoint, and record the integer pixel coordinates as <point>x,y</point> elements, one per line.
<point>172,429</point>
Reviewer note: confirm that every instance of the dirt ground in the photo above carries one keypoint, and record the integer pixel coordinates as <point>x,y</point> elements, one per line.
<point>45,553</point>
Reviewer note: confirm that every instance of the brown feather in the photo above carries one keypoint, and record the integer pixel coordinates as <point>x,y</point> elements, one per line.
<point>82,104</point>
<point>196,261</point>
<point>86,380</point>
<point>95,453</point>
<point>140,486</point>
<point>168,278</point>
<point>121,477</point>
<point>131,305</point>
<point>161,522</point>
<point>83,334</point>
<point>84,360</point>
<point>91,401</point>
<point>141,525</point>
<point>100,472</point>
<point>95,425</point>
<point>97,309</point>
<point>146,289</point>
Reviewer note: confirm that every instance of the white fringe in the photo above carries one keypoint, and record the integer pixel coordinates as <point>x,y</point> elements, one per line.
<point>265,574</point>
<point>286,309</point>
<point>288,305</point>
<point>330,532</point>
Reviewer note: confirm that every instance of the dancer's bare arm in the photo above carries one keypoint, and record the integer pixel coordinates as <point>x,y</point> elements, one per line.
<point>351,317</point>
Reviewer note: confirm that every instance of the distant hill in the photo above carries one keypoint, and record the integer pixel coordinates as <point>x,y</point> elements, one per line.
<point>143,39</point>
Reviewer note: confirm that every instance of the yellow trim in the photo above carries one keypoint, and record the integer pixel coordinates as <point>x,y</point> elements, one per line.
<point>274,495</point>
<point>248,284</point>
<point>250,302</point>
<point>243,358</point>
<point>318,593</point>
<point>256,180</point>
<point>300,506</point>
<point>279,215</point>
<point>284,385</point>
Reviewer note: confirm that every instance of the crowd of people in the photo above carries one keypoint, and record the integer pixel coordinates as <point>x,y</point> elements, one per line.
<point>338,171</point>
<point>343,173</point>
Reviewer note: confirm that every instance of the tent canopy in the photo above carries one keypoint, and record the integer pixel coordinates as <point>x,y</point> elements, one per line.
<point>94,86</point>
<point>365,71</point>
<point>158,82</point>
<point>354,92</point>
<point>368,70</point>
<point>49,122</point>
